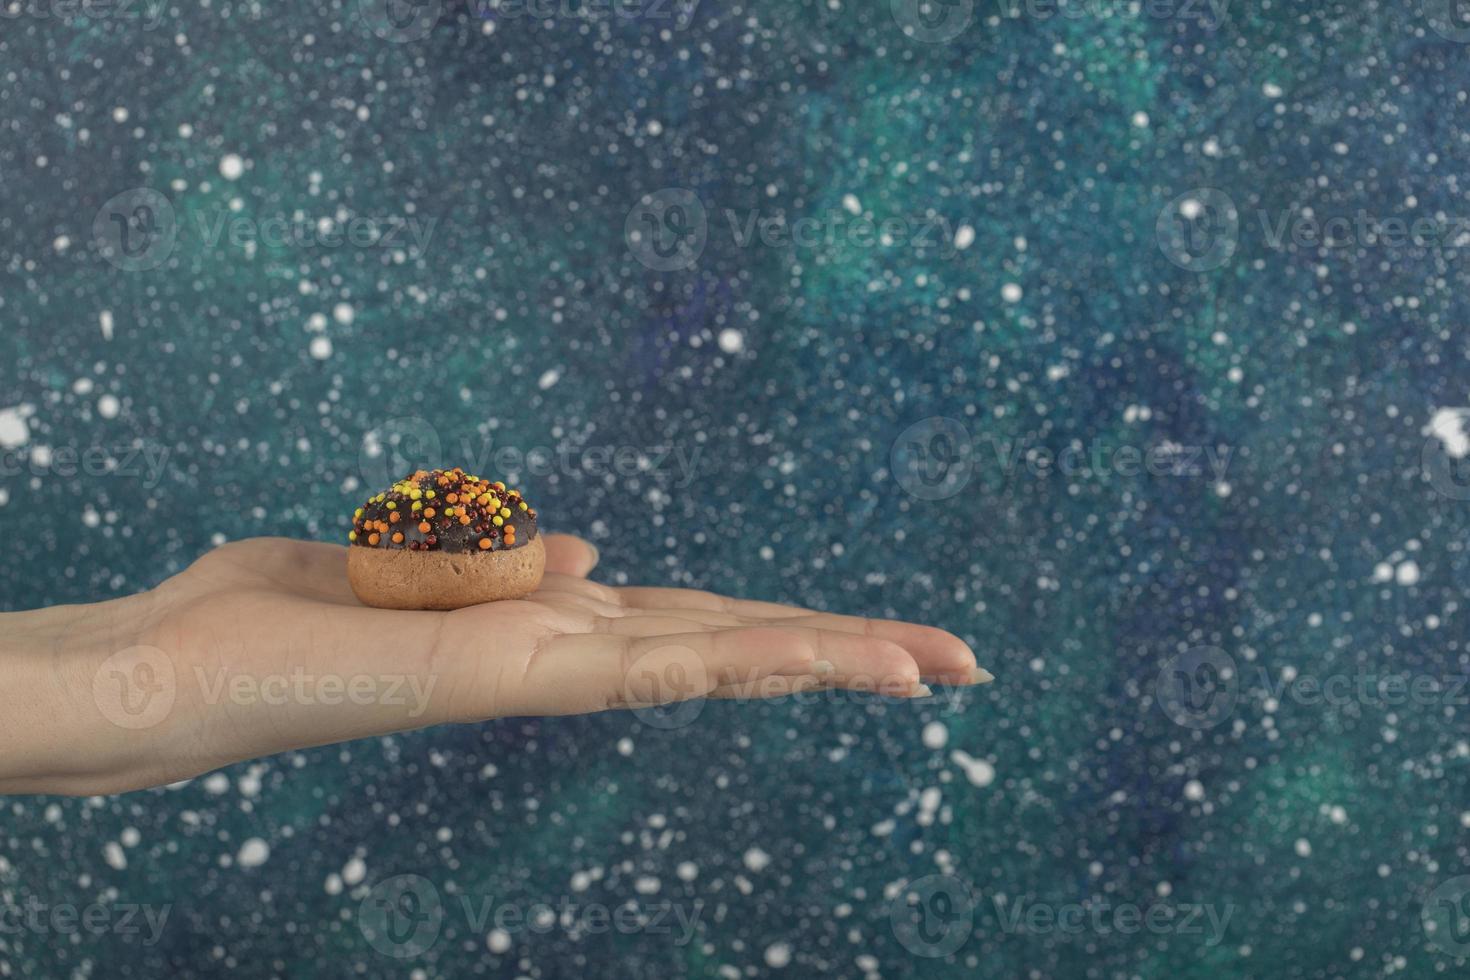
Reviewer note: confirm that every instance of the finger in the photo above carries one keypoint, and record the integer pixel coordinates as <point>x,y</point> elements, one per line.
<point>567,554</point>
<point>655,598</point>
<point>580,586</point>
<point>595,672</point>
<point>942,656</point>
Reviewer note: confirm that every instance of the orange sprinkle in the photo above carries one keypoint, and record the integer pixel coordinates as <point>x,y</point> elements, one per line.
<point>464,518</point>
<point>484,544</point>
<point>424,526</point>
<point>453,498</point>
<point>398,537</point>
<point>393,517</point>
<point>372,539</point>
<point>429,512</point>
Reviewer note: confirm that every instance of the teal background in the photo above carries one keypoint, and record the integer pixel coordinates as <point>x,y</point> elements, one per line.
<point>527,319</point>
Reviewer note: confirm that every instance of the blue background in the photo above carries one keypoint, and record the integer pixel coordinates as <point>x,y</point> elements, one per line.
<point>1066,148</point>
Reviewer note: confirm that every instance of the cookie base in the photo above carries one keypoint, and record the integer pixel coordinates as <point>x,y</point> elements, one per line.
<point>393,578</point>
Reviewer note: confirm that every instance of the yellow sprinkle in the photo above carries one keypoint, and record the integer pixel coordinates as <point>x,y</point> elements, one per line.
<point>505,512</point>
<point>523,505</point>
<point>499,520</point>
<point>417,506</point>
<point>415,493</point>
<point>448,511</point>
<point>357,513</point>
<point>392,505</point>
<point>351,535</point>
<point>429,494</point>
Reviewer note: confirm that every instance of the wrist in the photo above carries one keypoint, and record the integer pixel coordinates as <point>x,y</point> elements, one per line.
<point>72,691</point>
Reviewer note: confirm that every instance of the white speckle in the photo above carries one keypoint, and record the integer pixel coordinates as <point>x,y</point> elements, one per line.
<point>1271,90</point>
<point>1190,208</point>
<point>1383,572</point>
<point>1448,425</point>
<point>1407,573</point>
<point>964,237</point>
<point>688,870</point>
<point>343,313</point>
<point>105,320</point>
<point>354,871</point>
<point>120,114</point>
<point>1011,292</point>
<point>216,783</point>
<point>130,837</point>
<point>851,204</point>
<point>549,378</point>
<point>655,127</point>
<point>253,853</point>
<point>90,517</point>
<point>112,853</point>
<point>61,244</point>
<point>731,341</point>
<point>977,771</point>
<point>757,859</point>
<point>625,746</point>
<point>1194,790</point>
<point>1140,119</point>
<point>333,884</point>
<point>647,885</point>
<point>1337,814</point>
<point>14,432</point>
<point>498,941</point>
<point>108,406</point>
<point>1303,847</point>
<point>778,955</point>
<point>935,735</point>
<point>321,347</point>
<point>231,166</point>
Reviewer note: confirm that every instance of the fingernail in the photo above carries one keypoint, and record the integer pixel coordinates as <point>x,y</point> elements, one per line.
<point>921,691</point>
<point>824,667</point>
<point>596,555</point>
<point>981,676</point>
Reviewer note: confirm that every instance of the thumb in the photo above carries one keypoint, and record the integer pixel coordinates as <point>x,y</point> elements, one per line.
<point>567,554</point>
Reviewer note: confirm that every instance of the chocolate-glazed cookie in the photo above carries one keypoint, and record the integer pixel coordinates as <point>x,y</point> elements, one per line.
<point>442,539</point>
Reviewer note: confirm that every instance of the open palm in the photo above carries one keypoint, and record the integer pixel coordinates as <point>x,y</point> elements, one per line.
<point>270,650</point>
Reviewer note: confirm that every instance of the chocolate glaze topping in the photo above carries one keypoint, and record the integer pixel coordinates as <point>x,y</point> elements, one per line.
<point>444,510</point>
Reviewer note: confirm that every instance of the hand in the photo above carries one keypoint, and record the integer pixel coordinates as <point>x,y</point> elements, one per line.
<point>261,647</point>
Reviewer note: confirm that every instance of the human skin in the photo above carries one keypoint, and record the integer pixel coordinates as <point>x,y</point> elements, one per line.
<point>262,648</point>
